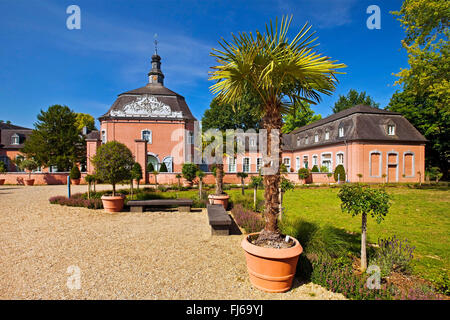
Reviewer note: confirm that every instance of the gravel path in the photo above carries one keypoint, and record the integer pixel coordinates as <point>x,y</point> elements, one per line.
<point>152,255</point>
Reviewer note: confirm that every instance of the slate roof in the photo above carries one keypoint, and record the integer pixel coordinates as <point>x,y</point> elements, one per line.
<point>6,133</point>
<point>360,123</point>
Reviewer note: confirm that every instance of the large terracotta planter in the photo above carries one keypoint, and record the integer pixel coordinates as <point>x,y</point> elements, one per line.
<point>2,181</point>
<point>222,199</point>
<point>271,269</point>
<point>75,181</point>
<point>29,182</point>
<point>113,203</point>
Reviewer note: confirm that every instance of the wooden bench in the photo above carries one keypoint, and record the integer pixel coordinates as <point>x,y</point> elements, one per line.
<point>219,219</point>
<point>184,205</point>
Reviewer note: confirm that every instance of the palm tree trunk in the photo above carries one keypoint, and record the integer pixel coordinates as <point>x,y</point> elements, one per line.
<point>219,179</point>
<point>281,204</point>
<point>271,121</point>
<point>363,243</point>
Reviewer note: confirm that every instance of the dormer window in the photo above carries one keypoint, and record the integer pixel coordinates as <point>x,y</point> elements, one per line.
<point>341,132</point>
<point>391,129</point>
<point>316,138</point>
<point>306,140</point>
<point>147,136</point>
<point>327,135</point>
<point>252,142</point>
<point>15,139</point>
<point>298,141</point>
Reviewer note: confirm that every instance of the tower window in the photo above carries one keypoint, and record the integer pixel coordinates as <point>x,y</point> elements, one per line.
<point>147,136</point>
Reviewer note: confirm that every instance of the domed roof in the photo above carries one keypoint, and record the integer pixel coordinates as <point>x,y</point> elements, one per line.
<point>153,101</point>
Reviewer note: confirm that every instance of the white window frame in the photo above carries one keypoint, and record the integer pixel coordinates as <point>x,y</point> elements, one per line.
<point>299,141</point>
<point>306,140</point>
<point>337,158</point>
<point>252,142</point>
<point>315,157</point>
<point>104,136</point>
<point>149,141</point>
<point>249,164</point>
<point>307,162</point>
<point>413,168</point>
<point>190,137</point>
<point>327,135</point>
<point>322,159</point>
<point>380,164</point>
<point>316,137</point>
<point>259,165</point>
<point>341,132</point>
<point>231,164</point>
<point>297,163</point>
<point>391,130</point>
<point>15,139</point>
<point>288,167</point>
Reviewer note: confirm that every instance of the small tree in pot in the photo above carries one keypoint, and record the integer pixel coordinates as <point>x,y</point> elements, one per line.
<point>242,176</point>
<point>357,199</point>
<point>136,173</point>
<point>113,162</point>
<point>189,171</point>
<point>75,175</point>
<point>303,174</point>
<point>256,182</point>
<point>200,174</point>
<point>29,165</point>
<point>178,176</point>
<point>90,178</point>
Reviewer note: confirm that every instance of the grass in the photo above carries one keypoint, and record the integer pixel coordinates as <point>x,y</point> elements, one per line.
<point>420,215</point>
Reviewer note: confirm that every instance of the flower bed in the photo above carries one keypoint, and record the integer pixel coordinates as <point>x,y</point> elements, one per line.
<point>77,200</point>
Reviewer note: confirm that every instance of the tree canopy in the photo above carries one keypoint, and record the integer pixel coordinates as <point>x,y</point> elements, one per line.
<point>299,117</point>
<point>352,99</point>
<point>85,120</point>
<point>425,99</point>
<point>56,140</point>
<point>225,116</point>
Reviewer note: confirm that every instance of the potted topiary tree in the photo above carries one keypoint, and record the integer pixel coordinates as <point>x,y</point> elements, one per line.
<point>75,175</point>
<point>339,174</point>
<point>90,178</point>
<point>155,174</point>
<point>303,174</point>
<point>178,176</point>
<point>136,173</point>
<point>256,182</point>
<point>315,169</point>
<point>279,72</point>
<point>357,199</point>
<point>2,170</point>
<point>29,165</point>
<point>200,174</point>
<point>189,171</point>
<point>113,162</point>
<point>242,176</point>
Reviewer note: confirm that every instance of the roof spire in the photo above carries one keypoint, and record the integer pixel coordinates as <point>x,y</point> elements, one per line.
<point>155,76</point>
<point>156,43</point>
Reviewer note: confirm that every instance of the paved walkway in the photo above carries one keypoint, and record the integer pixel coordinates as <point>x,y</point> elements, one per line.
<point>151,255</point>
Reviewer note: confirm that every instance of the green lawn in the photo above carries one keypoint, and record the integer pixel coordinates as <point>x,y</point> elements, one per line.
<point>420,215</point>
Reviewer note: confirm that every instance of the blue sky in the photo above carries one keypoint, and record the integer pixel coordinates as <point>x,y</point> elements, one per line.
<point>43,63</point>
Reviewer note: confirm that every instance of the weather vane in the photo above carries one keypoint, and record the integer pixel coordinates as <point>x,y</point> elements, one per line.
<point>156,43</point>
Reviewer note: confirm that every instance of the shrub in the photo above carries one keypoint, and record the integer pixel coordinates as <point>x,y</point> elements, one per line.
<point>77,200</point>
<point>393,255</point>
<point>303,173</point>
<point>246,201</point>
<point>315,169</point>
<point>136,171</point>
<point>150,167</point>
<point>75,173</point>
<point>2,167</point>
<point>339,173</point>
<point>90,178</point>
<point>442,283</point>
<point>323,169</point>
<point>248,220</point>
<point>189,171</point>
<point>163,167</point>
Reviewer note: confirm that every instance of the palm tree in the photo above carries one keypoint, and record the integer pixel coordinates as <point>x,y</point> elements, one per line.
<point>279,72</point>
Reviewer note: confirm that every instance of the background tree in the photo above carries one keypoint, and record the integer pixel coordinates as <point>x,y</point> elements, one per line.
<point>113,162</point>
<point>300,115</point>
<point>278,71</point>
<point>425,99</point>
<point>357,199</point>
<point>55,139</point>
<point>85,120</point>
<point>223,116</point>
<point>28,165</point>
<point>352,99</point>
<point>136,173</point>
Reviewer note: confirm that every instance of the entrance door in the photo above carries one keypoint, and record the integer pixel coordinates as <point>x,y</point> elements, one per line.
<point>392,173</point>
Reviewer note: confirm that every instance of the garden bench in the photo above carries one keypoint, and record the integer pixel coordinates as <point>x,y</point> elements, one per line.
<point>184,205</point>
<point>219,219</point>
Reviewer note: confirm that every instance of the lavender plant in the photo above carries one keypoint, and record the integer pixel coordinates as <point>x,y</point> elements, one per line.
<point>394,255</point>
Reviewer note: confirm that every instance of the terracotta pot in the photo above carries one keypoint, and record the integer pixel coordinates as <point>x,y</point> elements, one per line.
<point>113,203</point>
<point>29,182</point>
<point>2,181</point>
<point>222,199</point>
<point>271,269</point>
<point>75,181</point>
